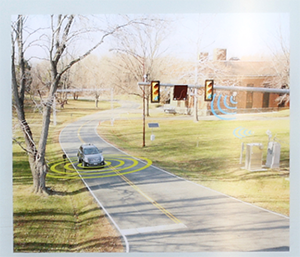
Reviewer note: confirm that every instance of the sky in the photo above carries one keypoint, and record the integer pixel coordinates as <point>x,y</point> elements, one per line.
<point>242,34</point>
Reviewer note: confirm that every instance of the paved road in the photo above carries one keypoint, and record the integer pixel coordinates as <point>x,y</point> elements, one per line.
<point>156,211</point>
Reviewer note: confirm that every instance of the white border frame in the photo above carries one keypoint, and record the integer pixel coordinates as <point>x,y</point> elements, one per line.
<point>11,7</point>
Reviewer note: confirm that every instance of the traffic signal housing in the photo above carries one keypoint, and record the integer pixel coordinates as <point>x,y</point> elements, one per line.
<point>155,91</point>
<point>208,90</point>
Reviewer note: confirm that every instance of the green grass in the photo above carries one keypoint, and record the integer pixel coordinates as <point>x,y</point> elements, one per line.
<point>70,220</point>
<point>208,153</point>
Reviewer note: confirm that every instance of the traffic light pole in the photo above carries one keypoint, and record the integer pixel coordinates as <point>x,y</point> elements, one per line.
<point>144,111</point>
<point>144,117</point>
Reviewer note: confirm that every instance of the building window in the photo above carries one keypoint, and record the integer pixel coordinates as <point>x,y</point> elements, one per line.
<point>266,98</point>
<point>249,97</point>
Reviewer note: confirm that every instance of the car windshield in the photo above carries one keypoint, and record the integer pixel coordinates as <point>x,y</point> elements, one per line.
<point>90,150</point>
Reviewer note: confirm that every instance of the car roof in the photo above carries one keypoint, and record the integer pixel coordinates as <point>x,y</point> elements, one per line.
<point>88,146</point>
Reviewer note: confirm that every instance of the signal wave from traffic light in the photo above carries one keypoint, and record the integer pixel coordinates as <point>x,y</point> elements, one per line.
<point>220,108</point>
<point>241,132</point>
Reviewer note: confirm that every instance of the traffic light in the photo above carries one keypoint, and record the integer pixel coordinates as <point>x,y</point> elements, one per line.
<point>155,94</point>
<point>209,90</point>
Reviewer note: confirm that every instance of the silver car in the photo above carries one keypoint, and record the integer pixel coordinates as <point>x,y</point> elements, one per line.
<point>90,155</point>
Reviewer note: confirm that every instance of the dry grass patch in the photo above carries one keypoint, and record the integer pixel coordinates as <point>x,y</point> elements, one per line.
<point>208,153</point>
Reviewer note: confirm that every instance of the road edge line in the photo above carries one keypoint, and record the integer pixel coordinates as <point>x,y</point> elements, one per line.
<point>99,203</point>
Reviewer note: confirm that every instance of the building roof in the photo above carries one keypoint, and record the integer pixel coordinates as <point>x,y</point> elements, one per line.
<point>250,68</point>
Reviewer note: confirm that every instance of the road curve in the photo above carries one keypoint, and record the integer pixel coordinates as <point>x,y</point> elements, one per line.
<point>156,211</point>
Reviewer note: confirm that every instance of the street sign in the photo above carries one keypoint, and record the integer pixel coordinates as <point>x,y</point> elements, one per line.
<point>180,92</point>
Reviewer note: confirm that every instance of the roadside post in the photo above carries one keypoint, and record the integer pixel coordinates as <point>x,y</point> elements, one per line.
<point>273,154</point>
<point>153,125</point>
<point>64,157</point>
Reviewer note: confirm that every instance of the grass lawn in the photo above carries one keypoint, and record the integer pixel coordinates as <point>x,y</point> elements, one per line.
<point>69,221</point>
<point>208,153</point>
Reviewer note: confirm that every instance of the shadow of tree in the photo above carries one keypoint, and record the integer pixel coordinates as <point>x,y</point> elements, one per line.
<point>106,244</point>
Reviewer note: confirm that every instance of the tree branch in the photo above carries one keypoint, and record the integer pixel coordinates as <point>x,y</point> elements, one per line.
<point>93,48</point>
<point>20,144</point>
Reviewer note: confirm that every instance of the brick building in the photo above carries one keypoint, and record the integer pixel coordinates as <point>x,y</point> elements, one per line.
<point>235,72</point>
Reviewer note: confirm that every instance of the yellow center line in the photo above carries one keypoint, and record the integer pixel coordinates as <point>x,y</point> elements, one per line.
<point>157,205</point>
<point>78,132</point>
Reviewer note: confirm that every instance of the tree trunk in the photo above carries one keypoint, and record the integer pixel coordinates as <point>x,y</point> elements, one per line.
<point>38,165</point>
<point>196,105</point>
<point>39,171</point>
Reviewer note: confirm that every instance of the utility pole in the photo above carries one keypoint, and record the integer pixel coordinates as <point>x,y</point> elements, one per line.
<point>196,91</point>
<point>144,116</point>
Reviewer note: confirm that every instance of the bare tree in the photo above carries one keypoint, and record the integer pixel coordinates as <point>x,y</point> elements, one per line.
<point>18,88</point>
<point>139,48</point>
<point>63,33</point>
<point>280,63</point>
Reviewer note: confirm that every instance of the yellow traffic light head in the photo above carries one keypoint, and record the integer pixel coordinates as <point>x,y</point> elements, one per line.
<point>208,90</point>
<point>155,92</point>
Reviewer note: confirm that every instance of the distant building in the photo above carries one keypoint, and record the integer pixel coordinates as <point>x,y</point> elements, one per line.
<point>236,72</point>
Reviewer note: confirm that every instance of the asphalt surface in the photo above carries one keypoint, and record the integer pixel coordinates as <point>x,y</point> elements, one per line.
<point>156,211</point>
